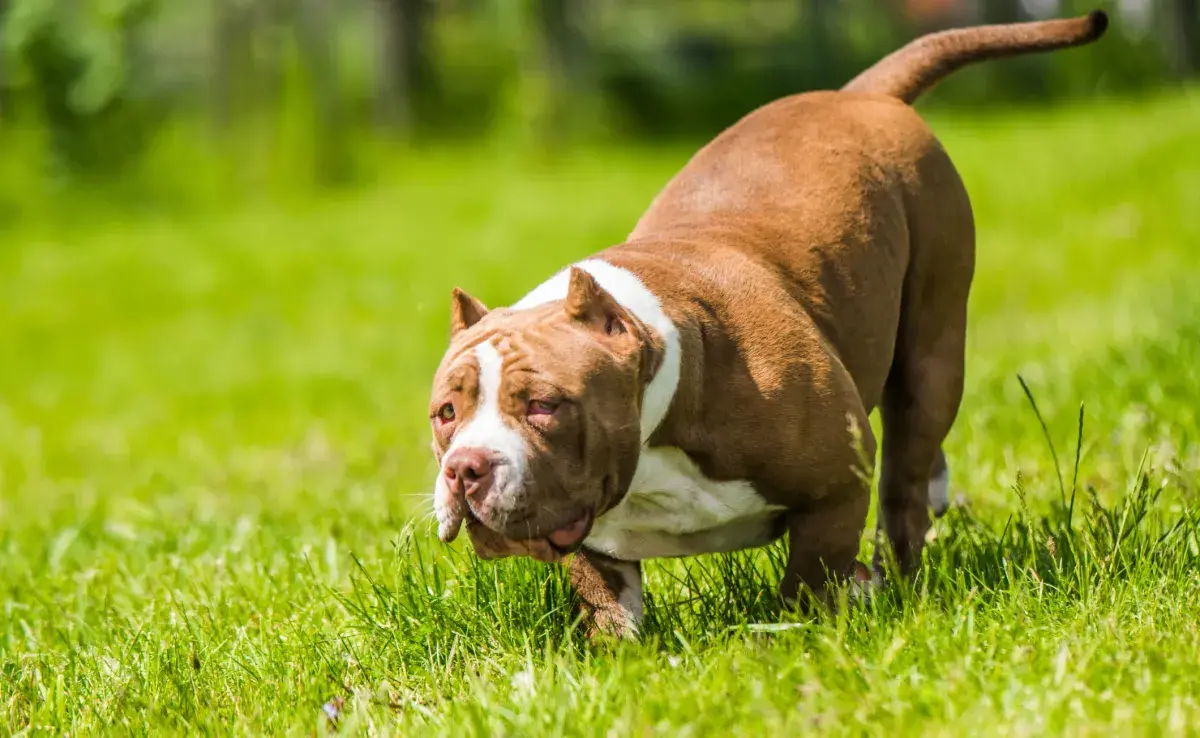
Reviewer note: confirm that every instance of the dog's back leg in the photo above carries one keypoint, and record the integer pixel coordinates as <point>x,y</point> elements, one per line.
<point>920,402</point>
<point>924,388</point>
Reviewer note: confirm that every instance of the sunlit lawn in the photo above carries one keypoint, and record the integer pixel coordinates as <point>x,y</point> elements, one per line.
<point>214,469</point>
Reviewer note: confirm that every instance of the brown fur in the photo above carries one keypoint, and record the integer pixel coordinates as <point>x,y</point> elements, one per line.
<point>600,581</point>
<point>816,258</point>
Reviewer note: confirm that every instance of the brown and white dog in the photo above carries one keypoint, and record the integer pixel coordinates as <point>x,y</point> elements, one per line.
<point>705,386</point>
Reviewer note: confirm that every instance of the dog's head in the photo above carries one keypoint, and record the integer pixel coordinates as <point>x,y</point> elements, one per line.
<point>536,417</point>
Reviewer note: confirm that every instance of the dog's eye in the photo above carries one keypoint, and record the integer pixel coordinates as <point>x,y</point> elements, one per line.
<point>541,407</point>
<point>446,413</point>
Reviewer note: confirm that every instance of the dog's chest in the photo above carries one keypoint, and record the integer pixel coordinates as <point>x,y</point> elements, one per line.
<point>672,509</point>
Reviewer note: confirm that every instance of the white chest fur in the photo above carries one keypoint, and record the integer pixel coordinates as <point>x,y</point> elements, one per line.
<point>672,509</point>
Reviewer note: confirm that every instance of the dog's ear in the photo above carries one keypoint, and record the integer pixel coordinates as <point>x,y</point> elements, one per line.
<point>465,311</point>
<point>592,305</point>
<point>589,303</point>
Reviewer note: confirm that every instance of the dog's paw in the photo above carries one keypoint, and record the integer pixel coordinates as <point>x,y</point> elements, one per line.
<point>866,582</point>
<point>610,625</point>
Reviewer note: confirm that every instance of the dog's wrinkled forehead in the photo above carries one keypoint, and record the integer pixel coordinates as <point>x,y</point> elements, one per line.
<point>571,326</point>
<point>537,345</point>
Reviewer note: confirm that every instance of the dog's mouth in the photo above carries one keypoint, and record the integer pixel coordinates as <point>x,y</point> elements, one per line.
<point>569,537</point>
<point>565,539</point>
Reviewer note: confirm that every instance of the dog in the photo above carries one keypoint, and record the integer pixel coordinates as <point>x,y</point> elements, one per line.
<point>705,386</point>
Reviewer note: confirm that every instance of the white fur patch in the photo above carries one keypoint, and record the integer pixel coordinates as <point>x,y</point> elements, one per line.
<point>630,597</point>
<point>673,509</point>
<point>863,591</point>
<point>635,297</point>
<point>939,492</point>
<point>487,429</point>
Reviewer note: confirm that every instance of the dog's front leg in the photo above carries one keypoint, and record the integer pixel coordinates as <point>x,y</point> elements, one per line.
<point>823,543</point>
<point>611,590</point>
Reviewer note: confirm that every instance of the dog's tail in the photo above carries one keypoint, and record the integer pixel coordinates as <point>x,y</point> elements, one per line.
<point>921,64</point>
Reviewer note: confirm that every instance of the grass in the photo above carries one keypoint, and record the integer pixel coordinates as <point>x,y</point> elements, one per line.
<point>214,468</point>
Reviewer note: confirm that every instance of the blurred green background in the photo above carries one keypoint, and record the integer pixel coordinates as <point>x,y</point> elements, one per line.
<point>172,102</point>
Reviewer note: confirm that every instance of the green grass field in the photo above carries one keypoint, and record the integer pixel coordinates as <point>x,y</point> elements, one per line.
<point>214,463</point>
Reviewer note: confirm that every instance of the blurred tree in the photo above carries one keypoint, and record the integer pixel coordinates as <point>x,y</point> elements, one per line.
<point>1183,22</point>
<point>816,18</point>
<point>251,66</point>
<point>100,75</point>
<point>566,57</point>
<point>82,77</point>
<point>1022,77</point>
<point>233,59</point>
<point>248,56</point>
<point>315,24</point>
<point>4,8</point>
<point>1002,11</point>
<point>405,69</point>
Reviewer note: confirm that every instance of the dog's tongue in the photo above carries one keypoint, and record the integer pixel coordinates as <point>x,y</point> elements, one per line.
<point>570,534</point>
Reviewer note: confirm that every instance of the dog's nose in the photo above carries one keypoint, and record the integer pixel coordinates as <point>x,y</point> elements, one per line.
<point>469,470</point>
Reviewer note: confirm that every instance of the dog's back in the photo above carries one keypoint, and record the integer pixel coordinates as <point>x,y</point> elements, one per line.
<point>848,194</point>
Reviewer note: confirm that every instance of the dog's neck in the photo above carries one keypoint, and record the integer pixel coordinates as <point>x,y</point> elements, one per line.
<point>628,290</point>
